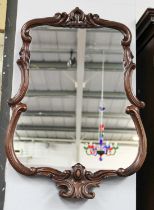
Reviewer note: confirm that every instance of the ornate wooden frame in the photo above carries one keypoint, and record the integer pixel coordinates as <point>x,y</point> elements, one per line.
<point>75,183</point>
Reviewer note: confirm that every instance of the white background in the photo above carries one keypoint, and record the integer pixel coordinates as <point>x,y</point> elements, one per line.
<point>141,6</point>
<point>41,194</point>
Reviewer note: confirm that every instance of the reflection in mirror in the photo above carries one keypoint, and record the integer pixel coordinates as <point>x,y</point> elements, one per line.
<point>76,102</point>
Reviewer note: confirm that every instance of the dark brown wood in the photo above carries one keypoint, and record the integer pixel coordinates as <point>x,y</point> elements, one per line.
<point>77,182</point>
<point>2,30</point>
<point>145,87</point>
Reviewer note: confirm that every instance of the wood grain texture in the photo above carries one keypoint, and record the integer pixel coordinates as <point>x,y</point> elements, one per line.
<point>77,182</point>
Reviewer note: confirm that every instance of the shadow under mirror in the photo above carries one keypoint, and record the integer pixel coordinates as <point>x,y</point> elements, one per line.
<point>76,102</point>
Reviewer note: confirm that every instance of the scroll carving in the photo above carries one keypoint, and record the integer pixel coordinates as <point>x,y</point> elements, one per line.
<point>78,182</point>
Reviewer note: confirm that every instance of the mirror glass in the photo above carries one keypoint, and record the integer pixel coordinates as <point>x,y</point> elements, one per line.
<point>76,102</point>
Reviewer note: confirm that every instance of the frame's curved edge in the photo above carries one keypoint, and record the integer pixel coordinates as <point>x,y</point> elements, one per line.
<point>9,142</point>
<point>76,182</point>
<point>129,66</point>
<point>142,149</point>
<point>24,69</point>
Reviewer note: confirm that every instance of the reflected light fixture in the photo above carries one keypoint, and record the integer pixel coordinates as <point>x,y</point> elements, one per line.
<point>72,60</point>
<point>103,148</point>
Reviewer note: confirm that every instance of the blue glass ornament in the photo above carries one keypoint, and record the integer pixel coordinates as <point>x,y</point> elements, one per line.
<point>101,141</point>
<point>100,158</point>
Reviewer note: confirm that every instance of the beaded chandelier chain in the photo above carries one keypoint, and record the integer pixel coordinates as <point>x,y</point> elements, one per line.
<point>102,148</point>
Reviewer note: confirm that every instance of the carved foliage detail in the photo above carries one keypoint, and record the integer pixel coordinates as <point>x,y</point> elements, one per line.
<point>77,185</point>
<point>77,18</point>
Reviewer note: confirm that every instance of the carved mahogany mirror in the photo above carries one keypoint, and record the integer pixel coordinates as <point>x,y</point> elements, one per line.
<point>76,105</point>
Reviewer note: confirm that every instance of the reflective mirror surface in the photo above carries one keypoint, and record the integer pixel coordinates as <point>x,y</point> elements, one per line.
<point>76,102</point>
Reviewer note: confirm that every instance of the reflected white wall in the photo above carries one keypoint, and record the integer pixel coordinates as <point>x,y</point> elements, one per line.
<point>63,156</point>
